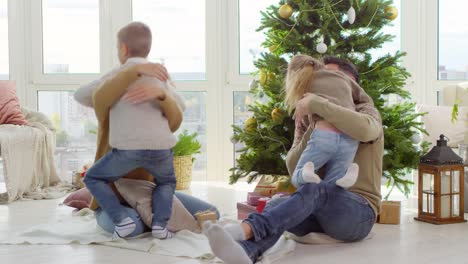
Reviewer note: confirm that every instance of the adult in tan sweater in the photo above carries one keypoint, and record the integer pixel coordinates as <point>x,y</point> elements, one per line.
<point>328,148</point>
<point>346,215</point>
<point>102,100</point>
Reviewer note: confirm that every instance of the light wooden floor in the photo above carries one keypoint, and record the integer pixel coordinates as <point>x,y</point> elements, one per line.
<point>410,242</point>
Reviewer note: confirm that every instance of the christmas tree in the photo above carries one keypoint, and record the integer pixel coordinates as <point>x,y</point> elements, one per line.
<point>350,30</point>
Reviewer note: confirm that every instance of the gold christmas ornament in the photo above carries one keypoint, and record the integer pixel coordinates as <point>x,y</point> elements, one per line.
<point>277,115</point>
<point>392,12</point>
<point>285,11</point>
<point>250,125</point>
<point>263,77</point>
<point>272,48</point>
<point>266,77</point>
<point>285,185</point>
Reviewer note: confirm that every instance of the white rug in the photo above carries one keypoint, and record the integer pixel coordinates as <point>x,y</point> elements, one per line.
<point>81,228</point>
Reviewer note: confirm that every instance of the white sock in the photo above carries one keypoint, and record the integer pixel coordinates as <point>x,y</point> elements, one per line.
<point>350,177</point>
<point>308,173</point>
<point>124,228</point>
<point>224,246</point>
<point>235,231</point>
<point>160,232</point>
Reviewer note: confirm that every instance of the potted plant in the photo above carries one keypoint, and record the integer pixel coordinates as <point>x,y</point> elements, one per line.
<point>187,145</point>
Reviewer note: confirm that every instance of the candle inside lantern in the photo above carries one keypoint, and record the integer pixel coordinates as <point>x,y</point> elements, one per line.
<point>445,199</point>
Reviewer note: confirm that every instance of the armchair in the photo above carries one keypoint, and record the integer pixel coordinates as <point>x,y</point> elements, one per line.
<point>27,154</point>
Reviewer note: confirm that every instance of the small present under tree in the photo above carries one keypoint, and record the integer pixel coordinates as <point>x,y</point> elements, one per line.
<point>350,30</point>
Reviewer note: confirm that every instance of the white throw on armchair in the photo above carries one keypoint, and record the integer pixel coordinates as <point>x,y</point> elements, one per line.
<point>27,153</point>
<point>452,93</point>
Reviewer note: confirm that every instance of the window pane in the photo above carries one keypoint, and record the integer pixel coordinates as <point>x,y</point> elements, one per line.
<point>71,36</point>
<point>76,126</point>
<point>178,29</point>
<point>242,100</point>
<point>195,121</point>
<point>453,40</point>
<point>2,178</point>
<point>249,39</point>
<point>4,67</point>
<point>393,29</point>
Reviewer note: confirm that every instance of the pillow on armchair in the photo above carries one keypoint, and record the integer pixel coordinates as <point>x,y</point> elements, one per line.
<point>438,120</point>
<point>10,111</point>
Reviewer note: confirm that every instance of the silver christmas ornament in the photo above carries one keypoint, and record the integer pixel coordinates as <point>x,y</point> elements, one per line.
<point>351,15</point>
<point>253,84</point>
<point>416,138</point>
<point>322,48</point>
<point>234,140</point>
<point>261,94</point>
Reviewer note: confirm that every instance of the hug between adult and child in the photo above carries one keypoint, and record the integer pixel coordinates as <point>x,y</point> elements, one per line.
<point>327,148</point>
<point>147,147</point>
<point>336,123</point>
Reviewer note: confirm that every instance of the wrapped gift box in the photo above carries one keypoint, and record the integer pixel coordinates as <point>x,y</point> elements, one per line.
<point>77,179</point>
<point>389,213</point>
<point>205,216</point>
<point>253,197</point>
<point>244,209</point>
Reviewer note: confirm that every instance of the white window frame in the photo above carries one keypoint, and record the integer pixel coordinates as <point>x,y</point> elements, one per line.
<point>432,51</point>
<point>419,39</point>
<point>27,30</point>
<point>9,36</point>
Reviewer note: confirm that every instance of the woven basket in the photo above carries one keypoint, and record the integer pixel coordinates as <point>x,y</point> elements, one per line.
<point>77,180</point>
<point>183,171</point>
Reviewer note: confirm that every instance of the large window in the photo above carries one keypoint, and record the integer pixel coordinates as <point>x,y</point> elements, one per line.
<point>249,39</point>
<point>209,47</point>
<point>453,40</point>
<point>195,121</point>
<point>393,29</point>
<point>178,29</point>
<point>71,36</point>
<point>2,178</point>
<point>4,67</point>
<point>76,128</point>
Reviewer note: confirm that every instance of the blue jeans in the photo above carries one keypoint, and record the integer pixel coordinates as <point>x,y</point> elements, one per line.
<point>192,204</point>
<point>322,207</point>
<point>117,163</point>
<point>333,150</point>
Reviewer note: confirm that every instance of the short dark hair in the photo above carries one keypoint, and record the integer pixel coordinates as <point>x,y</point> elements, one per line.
<point>343,65</point>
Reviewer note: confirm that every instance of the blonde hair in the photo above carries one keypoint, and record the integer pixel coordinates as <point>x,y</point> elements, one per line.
<point>299,78</point>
